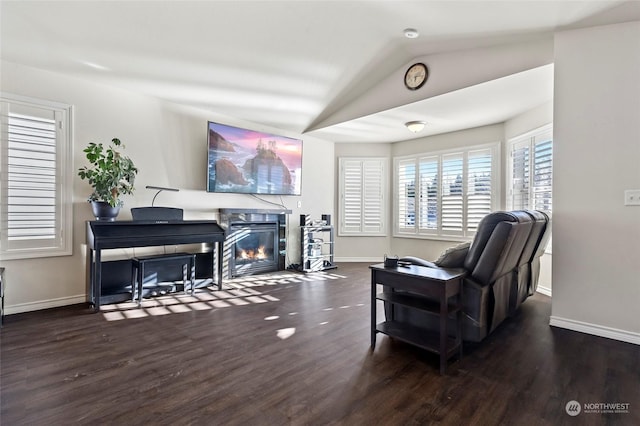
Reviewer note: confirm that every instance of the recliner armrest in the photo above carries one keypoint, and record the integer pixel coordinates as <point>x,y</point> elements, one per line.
<point>418,261</point>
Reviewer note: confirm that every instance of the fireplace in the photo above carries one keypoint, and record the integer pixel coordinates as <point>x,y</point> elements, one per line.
<point>253,248</point>
<point>255,241</point>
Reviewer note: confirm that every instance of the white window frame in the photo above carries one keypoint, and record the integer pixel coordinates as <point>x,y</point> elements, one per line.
<point>61,243</point>
<point>363,189</point>
<point>438,233</point>
<point>528,140</point>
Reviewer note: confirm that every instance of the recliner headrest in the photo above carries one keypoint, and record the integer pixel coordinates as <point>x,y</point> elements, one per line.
<point>485,229</point>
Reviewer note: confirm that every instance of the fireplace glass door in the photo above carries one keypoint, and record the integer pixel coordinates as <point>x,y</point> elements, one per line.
<point>254,248</point>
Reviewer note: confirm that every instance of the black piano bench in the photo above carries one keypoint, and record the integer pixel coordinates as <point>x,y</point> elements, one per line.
<point>138,265</point>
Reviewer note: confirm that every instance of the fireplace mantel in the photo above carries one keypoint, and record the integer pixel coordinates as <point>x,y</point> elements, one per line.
<point>233,212</point>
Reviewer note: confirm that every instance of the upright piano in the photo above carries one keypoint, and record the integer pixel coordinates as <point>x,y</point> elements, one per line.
<point>103,235</point>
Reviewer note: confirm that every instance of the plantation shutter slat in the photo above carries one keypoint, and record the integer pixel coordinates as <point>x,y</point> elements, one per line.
<point>429,194</point>
<point>520,176</point>
<point>362,188</point>
<point>479,187</point>
<point>452,189</point>
<point>406,187</point>
<point>351,196</point>
<point>542,171</point>
<point>31,176</point>
<point>373,203</point>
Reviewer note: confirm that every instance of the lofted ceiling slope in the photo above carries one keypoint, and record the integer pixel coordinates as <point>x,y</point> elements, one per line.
<point>332,69</point>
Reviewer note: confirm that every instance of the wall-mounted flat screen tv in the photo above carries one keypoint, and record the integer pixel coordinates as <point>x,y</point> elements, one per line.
<point>251,162</point>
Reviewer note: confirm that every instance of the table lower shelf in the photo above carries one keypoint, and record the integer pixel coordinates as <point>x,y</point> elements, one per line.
<point>418,337</point>
<point>416,302</point>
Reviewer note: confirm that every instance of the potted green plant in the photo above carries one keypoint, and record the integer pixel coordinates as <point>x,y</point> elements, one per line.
<point>111,175</point>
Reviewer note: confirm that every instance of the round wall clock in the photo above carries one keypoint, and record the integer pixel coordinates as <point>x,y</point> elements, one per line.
<point>416,76</point>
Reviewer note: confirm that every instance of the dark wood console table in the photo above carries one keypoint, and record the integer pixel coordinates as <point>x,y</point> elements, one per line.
<point>437,286</point>
<point>128,234</point>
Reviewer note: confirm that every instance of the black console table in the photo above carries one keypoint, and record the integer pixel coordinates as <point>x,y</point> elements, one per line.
<point>432,290</point>
<point>128,234</point>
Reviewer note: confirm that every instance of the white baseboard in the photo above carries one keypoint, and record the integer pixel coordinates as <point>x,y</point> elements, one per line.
<point>596,330</point>
<point>359,259</point>
<point>543,290</point>
<point>44,304</point>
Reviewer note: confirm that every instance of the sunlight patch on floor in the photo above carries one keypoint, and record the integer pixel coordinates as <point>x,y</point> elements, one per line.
<point>176,309</point>
<point>237,292</point>
<point>239,302</point>
<point>285,333</point>
<point>219,304</point>
<point>183,303</point>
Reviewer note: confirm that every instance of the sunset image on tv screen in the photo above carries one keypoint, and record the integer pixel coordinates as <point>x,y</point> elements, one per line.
<point>252,162</point>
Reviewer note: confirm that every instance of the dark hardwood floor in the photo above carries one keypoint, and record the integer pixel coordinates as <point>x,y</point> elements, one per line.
<point>294,349</point>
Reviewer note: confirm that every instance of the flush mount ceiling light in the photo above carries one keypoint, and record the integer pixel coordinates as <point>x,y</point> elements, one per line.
<point>415,126</point>
<point>411,33</point>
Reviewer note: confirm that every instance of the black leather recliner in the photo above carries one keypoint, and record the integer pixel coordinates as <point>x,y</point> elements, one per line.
<point>529,263</point>
<point>502,266</point>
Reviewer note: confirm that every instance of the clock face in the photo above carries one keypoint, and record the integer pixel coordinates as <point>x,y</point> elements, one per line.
<point>416,76</point>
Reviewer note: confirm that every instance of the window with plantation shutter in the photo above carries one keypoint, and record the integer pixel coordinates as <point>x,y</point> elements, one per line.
<point>531,170</point>
<point>35,148</point>
<point>362,196</point>
<point>454,190</point>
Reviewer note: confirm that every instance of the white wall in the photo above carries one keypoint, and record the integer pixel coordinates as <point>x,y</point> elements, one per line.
<point>168,145</point>
<point>596,243</point>
<point>530,120</point>
<point>448,72</point>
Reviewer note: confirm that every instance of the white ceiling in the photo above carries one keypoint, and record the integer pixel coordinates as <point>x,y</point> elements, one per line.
<point>332,69</point>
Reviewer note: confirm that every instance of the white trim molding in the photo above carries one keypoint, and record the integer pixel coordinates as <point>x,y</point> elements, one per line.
<point>543,290</point>
<point>45,304</point>
<point>360,259</point>
<point>596,330</point>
